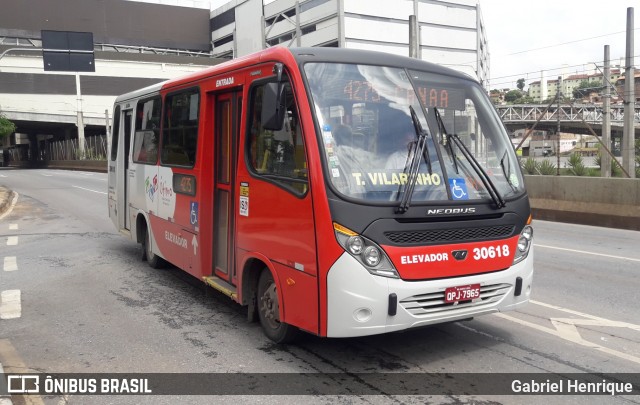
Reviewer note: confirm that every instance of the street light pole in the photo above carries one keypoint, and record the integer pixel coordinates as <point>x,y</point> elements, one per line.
<point>628,138</point>
<point>605,159</point>
<point>559,96</point>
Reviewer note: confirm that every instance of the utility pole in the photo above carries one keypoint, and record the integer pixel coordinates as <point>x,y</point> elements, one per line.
<point>298,29</point>
<point>559,96</point>
<point>628,138</point>
<point>414,40</point>
<point>107,126</point>
<point>605,158</point>
<point>80,119</point>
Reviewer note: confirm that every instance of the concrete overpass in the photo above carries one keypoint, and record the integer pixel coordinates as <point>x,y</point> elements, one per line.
<point>571,116</point>
<point>44,105</point>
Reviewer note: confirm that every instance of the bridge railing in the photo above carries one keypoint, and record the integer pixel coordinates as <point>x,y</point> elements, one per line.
<point>574,113</point>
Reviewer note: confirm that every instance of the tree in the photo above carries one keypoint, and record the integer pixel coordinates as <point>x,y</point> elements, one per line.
<point>6,127</point>
<point>585,87</point>
<point>512,95</point>
<point>520,84</point>
<point>524,99</point>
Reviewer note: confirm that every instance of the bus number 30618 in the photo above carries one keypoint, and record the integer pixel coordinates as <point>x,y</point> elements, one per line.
<point>490,252</point>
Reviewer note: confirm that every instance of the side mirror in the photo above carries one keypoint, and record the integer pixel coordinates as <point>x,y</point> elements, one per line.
<point>273,106</point>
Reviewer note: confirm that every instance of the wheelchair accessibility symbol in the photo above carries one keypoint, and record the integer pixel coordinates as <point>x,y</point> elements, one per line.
<point>193,214</point>
<point>458,189</point>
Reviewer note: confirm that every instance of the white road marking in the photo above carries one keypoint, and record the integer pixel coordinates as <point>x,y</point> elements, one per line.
<point>46,175</point>
<point>88,189</point>
<point>582,314</point>
<point>587,253</point>
<point>81,175</point>
<point>10,307</point>
<point>13,227</point>
<point>10,263</point>
<point>13,204</point>
<point>565,328</point>
<point>12,240</point>
<point>2,175</point>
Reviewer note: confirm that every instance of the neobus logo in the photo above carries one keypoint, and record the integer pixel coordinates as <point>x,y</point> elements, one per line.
<point>451,211</point>
<point>224,82</point>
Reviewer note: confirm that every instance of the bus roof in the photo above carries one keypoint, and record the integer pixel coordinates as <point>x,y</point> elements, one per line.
<point>366,57</point>
<point>154,88</point>
<point>301,55</point>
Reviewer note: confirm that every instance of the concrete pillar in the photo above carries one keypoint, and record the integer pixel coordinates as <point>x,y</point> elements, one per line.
<point>33,147</point>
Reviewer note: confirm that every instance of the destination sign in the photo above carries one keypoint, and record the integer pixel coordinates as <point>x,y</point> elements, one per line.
<point>434,96</point>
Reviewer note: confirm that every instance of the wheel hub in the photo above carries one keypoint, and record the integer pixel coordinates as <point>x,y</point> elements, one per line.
<point>269,306</point>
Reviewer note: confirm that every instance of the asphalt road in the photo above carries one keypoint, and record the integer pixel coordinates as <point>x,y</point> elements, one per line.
<point>87,303</point>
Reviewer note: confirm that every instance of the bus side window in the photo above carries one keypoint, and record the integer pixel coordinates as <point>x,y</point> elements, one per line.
<point>147,135</point>
<point>180,131</point>
<point>280,153</point>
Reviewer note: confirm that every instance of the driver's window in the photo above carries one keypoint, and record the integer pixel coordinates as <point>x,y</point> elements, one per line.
<point>278,156</point>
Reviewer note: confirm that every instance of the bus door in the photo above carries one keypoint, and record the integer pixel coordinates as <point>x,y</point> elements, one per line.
<point>123,169</point>
<point>227,121</point>
<point>114,170</point>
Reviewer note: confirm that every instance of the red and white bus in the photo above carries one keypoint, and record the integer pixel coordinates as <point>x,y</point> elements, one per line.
<point>339,192</point>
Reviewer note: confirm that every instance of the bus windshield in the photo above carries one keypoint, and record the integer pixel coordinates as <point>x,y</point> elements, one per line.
<point>386,127</point>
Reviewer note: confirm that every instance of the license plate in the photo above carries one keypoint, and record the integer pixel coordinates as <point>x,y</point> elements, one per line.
<point>462,293</point>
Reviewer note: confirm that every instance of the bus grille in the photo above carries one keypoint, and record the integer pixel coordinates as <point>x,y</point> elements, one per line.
<point>433,303</point>
<point>450,235</point>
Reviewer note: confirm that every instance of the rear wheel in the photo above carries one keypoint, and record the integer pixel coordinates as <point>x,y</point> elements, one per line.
<point>269,311</point>
<point>153,259</point>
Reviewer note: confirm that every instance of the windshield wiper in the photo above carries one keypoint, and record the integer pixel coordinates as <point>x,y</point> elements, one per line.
<point>454,157</point>
<point>507,172</point>
<point>421,149</point>
<point>484,177</point>
<point>443,130</point>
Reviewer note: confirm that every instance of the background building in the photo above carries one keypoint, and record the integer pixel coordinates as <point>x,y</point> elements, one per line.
<point>451,32</point>
<point>569,83</point>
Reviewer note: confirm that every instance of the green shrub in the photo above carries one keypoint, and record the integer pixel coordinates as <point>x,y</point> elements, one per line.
<point>530,166</point>
<point>547,167</point>
<point>577,165</point>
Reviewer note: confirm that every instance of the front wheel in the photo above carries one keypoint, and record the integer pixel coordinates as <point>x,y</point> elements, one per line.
<point>269,311</point>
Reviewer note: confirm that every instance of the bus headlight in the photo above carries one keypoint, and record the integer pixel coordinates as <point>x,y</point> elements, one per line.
<point>355,244</point>
<point>524,244</point>
<point>372,256</point>
<point>366,251</point>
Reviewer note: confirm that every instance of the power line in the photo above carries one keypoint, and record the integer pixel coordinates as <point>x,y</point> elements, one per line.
<point>552,69</point>
<point>473,62</point>
<point>548,70</point>
<point>564,43</point>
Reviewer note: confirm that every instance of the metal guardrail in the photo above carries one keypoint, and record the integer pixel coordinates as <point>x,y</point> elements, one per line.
<point>568,113</point>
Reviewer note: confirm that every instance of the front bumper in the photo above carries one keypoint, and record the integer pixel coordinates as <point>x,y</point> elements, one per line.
<point>358,302</point>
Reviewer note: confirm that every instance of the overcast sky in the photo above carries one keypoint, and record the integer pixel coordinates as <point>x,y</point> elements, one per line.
<point>527,36</point>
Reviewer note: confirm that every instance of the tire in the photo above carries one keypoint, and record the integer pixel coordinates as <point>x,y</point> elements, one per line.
<point>268,311</point>
<point>153,259</point>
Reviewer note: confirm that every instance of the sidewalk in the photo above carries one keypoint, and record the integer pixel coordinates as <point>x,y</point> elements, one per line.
<point>5,199</point>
